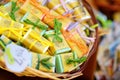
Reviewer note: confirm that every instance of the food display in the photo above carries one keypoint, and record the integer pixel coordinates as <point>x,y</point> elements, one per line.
<point>57,34</point>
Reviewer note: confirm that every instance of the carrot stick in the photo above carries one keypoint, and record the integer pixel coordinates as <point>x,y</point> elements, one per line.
<point>79,42</point>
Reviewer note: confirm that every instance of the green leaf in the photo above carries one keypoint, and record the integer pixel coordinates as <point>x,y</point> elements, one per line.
<point>57,38</point>
<point>29,22</point>
<point>49,35</point>
<point>82,59</point>
<point>12,16</point>
<point>78,60</point>
<point>17,8</point>
<point>47,65</point>
<point>38,63</point>
<point>35,24</point>
<point>2,44</point>
<point>13,10</point>
<point>42,27</point>
<point>45,59</point>
<point>74,56</point>
<point>45,62</point>
<point>57,28</point>
<point>69,61</point>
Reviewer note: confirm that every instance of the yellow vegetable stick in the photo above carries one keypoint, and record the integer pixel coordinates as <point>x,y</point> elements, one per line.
<point>73,3</point>
<point>65,21</point>
<point>76,42</point>
<point>81,14</point>
<point>59,47</point>
<point>28,7</point>
<point>36,42</point>
<point>36,58</point>
<point>61,62</point>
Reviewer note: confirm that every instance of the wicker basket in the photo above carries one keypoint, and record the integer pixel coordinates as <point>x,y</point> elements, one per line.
<point>30,72</point>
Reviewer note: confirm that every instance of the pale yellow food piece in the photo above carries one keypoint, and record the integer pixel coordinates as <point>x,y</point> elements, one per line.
<point>28,7</point>
<point>76,49</point>
<point>19,15</point>
<point>78,12</point>
<point>5,39</point>
<point>41,67</point>
<point>34,59</point>
<point>52,60</point>
<point>54,3</point>
<point>65,21</point>
<point>7,23</point>
<point>58,46</point>
<point>34,19</point>
<point>6,9</point>
<point>67,67</point>
<point>35,42</point>
<point>3,12</point>
<point>37,30</point>
<point>76,43</point>
<point>81,13</point>
<point>47,53</point>
<point>74,3</point>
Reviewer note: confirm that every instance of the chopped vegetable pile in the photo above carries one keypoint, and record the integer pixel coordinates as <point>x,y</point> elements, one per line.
<point>57,33</point>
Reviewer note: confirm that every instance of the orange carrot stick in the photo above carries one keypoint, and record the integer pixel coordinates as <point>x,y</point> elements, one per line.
<point>78,41</point>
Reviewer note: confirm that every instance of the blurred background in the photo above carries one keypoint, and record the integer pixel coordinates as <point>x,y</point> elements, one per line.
<point>107,13</point>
